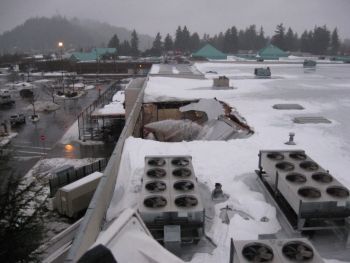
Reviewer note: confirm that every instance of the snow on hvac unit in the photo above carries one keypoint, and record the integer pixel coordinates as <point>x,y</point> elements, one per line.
<point>274,251</point>
<point>170,203</point>
<point>309,190</point>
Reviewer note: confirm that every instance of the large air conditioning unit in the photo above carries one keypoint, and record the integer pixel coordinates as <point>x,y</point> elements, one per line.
<point>170,197</point>
<point>274,251</point>
<point>309,190</point>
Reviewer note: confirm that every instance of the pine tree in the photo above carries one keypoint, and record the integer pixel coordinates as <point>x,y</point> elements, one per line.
<point>168,43</point>
<point>114,42</point>
<point>234,40</point>
<point>157,46</point>
<point>178,39</point>
<point>335,42</point>
<point>134,44</point>
<point>321,40</point>
<point>125,48</point>
<point>290,40</point>
<point>261,41</point>
<point>279,38</point>
<point>194,42</point>
<point>227,41</point>
<point>185,40</point>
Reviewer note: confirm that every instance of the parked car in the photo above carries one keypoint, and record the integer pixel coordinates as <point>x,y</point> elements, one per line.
<point>17,119</point>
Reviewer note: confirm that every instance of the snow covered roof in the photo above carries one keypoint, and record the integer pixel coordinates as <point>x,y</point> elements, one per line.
<point>271,52</point>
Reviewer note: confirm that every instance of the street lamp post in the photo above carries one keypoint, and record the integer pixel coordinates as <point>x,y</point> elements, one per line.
<point>60,46</point>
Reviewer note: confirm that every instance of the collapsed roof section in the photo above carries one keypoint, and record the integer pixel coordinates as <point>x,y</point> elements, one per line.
<point>206,119</point>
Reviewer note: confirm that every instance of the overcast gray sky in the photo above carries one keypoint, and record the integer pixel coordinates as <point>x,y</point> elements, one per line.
<point>210,16</point>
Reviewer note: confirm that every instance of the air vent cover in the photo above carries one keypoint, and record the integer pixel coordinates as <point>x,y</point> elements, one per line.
<point>181,162</point>
<point>322,178</point>
<point>184,185</point>
<point>182,172</point>
<point>309,192</point>
<point>155,186</point>
<point>298,156</point>
<point>156,162</point>
<point>285,166</point>
<point>257,252</point>
<point>275,156</point>
<point>309,166</point>
<point>296,178</point>
<point>338,192</point>
<point>298,251</point>
<point>156,173</point>
<point>155,202</point>
<point>186,201</point>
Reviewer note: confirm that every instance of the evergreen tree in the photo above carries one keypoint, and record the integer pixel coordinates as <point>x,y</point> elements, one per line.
<point>305,41</point>
<point>234,40</point>
<point>168,43</point>
<point>134,43</point>
<point>321,40</point>
<point>178,39</point>
<point>261,41</point>
<point>194,42</point>
<point>290,42</point>
<point>335,42</point>
<point>279,38</point>
<point>227,41</point>
<point>125,48</point>
<point>157,45</point>
<point>114,42</point>
<point>185,40</point>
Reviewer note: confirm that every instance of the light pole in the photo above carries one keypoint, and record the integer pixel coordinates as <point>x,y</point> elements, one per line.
<point>60,46</point>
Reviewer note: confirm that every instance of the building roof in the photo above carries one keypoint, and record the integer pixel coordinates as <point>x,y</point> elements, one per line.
<point>271,52</point>
<point>93,54</point>
<point>208,51</point>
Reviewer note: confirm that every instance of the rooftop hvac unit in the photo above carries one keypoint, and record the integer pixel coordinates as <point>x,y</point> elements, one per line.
<point>170,196</point>
<point>74,198</point>
<point>310,190</point>
<point>275,251</point>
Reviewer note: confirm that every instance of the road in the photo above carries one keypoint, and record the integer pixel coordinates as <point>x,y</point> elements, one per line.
<point>40,139</point>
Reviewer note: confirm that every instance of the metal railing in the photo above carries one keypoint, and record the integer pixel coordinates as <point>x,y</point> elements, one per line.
<point>59,180</point>
<point>96,212</point>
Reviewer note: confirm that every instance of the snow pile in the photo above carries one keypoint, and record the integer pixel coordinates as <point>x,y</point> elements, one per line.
<point>175,70</point>
<point>43,106</point>
<point>4,140</point>
<point>19,86</point>
<point>155,69</point>
<point>119,96</point>
<point>88,87</point>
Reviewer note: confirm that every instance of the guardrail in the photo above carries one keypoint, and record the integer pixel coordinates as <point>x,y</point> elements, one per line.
<point>96,212</point>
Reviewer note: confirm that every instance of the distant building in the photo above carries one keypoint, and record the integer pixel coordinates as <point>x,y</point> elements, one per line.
<point>209,52</point>
<point>271,52</point>
<point>94,54</point>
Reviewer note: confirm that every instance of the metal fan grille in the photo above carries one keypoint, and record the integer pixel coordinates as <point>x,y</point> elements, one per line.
<point>322,177</point>
<point>309,166</point>
<point>257,253</point>
<point>156,173</point>
<point>296,178</point>
<point>184,186</point>
<point>298,251</point>
<point>156,162</point>
<point>182,172</point>
<point>155,202</point>
<point>186,201</point>
<point>285,166</point>
<point>309,192</point>
<point>298,156</point>
<point>180,162</point>
<point>337,191</point>
<point>275,156</point>
<point>156,186</point>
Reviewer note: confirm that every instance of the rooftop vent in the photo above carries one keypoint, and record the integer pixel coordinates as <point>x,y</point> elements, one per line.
<point>156,162</point>
<point>309,166</point>
<point>298,156</point>
<point>275,156</point>
<point>184,186</point>
<point>156,173</point>
<point>182,172</point>
<point>309,192</point>
<point>156,201</point>
<point>297,251</point>
<point>296,178</point>
<point>338,191</point>
<point>257,252</point>
<point>186,201</point>
<point>156,186</point>
<point>322,177</point>
<point>180,162</point>
<point>285,166</point>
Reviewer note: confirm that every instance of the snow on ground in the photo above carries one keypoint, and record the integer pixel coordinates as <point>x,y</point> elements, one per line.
<point>155,69</point>
<point>88,87</point>
<point>116,107</point>
<point>19,86</point>
<point>119,96</point>
<point>4,140</point>
<point>71,135</point>
<point>43,106</point>
<point>175,70</point>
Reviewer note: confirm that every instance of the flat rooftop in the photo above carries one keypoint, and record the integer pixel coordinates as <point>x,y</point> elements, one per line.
<point>324,92</point>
